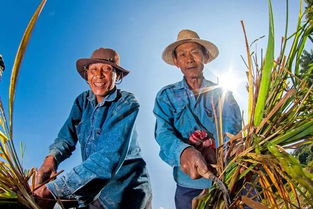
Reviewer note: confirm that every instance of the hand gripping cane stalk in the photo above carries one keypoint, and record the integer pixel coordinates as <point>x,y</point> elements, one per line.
<point>202,141</point>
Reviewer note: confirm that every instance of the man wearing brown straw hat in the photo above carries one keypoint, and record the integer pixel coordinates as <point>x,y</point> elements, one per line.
<point>112,174</point>
<point>185,124</point>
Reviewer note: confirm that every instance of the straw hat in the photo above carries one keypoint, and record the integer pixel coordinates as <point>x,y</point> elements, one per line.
<point>101,55</point>
<point>188,36</point>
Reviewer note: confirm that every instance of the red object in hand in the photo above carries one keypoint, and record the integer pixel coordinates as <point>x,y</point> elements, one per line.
<point>205,144</point>
<point>200,137</point>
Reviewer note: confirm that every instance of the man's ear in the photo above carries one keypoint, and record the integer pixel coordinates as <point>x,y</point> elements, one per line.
<point>118,76</point>
<point>175,61</point>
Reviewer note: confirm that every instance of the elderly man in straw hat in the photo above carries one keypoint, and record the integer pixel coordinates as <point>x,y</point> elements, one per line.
<point>112,174</point>
<point>185,124</point>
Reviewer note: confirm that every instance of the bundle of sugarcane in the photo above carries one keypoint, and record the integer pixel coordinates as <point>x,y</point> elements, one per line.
<point>14,186</point>
<point>280,116</point>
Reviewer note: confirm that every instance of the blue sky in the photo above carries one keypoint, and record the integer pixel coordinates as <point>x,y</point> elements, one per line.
<point>139,30</point>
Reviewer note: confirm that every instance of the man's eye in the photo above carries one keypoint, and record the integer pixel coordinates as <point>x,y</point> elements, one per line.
<point>107,69</point>
<point>196,51</point>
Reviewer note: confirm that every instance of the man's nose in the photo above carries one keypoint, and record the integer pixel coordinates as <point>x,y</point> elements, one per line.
<point>99,73</point>
<point>190,58</point>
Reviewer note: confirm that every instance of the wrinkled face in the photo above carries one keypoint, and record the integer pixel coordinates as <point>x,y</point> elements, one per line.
<point>190,58</point>
<point>101,79</point>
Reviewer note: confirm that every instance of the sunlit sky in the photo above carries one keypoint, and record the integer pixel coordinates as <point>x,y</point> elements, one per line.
<point>139,30</point>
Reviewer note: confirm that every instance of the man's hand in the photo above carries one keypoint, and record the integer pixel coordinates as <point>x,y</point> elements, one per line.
<point>44,198</point>
<point>43,192</point>
<point>204,143</point>
<point>47,170</point>
<point>193,163</point>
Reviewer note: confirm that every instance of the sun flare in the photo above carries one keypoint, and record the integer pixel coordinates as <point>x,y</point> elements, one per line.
<point>229,81</point>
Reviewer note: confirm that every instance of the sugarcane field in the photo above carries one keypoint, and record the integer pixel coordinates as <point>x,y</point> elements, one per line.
<point>92,116</point>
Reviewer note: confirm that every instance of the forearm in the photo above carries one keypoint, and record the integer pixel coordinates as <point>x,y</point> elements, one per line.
<point>86,180</point>
<point>61,149</point>
<point>171,148</point>
<point>171,145</point>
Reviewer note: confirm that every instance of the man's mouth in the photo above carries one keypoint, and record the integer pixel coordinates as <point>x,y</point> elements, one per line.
<point>191,68</point>
<point>99,84</point>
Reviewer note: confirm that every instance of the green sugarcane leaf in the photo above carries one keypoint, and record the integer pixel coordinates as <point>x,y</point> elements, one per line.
<point>22,149</point>
<point>301,46</point>
<point>303,134</point>
<point>297,35</point>
<point>14,75</point>
<point>18,60</point>
<point>266,71</point>
<point>305,130</point>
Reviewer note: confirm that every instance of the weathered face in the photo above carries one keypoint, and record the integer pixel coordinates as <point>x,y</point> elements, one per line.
<point>101,79</point>
<point>190,58</point>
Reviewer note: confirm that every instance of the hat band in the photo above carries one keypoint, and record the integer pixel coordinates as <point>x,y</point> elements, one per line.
<point>105,59</point>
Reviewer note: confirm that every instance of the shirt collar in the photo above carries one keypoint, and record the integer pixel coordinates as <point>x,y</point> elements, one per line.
<point>183,84</point>
<point>111,96</point>
<point>206,86</point>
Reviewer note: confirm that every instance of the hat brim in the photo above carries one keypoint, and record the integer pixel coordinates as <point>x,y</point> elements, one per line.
<point>82,63</point>
<point>168,53</point>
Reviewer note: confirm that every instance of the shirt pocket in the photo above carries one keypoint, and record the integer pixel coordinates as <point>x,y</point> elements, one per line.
<point>179,111</point>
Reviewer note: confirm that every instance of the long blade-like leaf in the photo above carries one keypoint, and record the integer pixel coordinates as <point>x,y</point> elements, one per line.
<point>18,59</point>
<point>250,76</point>
<point>266,71</point>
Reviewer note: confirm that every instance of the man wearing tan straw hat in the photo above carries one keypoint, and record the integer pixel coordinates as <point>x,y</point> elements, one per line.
<point>185,124</point>
<point>112,174</point>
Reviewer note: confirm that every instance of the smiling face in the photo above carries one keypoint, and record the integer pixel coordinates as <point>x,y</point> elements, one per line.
<point>190,58</point>
<point>101,79</point>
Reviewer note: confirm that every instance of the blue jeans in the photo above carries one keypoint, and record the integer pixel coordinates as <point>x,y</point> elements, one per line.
<point>184,196</point>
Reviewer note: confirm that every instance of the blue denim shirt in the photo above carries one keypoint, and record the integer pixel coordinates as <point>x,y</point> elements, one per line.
<point>109,149</point>
<point>179,113</point>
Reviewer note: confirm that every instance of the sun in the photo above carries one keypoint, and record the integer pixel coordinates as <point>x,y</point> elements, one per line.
<point>229,81</point>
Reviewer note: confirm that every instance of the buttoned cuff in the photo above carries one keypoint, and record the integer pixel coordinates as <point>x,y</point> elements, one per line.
<point>60,189</point>
<point>57,156</point>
